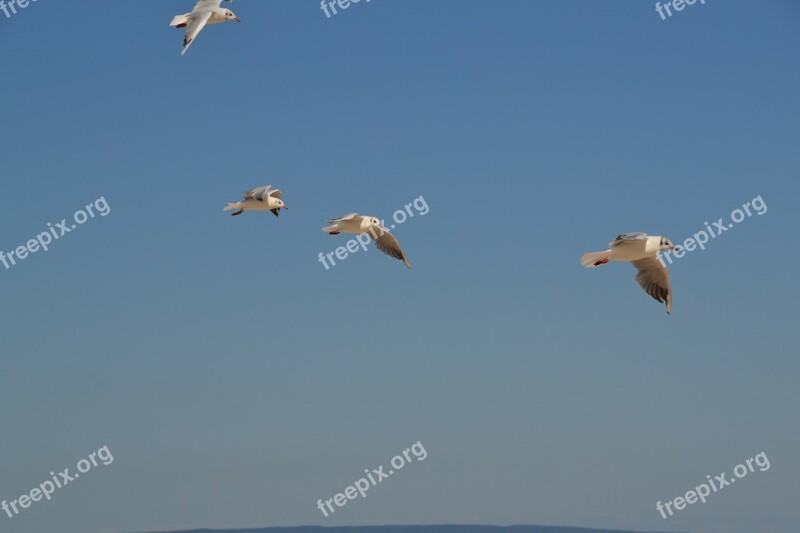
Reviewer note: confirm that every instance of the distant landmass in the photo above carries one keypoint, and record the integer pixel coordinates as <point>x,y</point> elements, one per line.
<point>410,529</point>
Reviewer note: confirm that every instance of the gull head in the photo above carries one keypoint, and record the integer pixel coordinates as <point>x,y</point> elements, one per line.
<point>279,204</point>
<point>666,244</point>
<point>229,15</point>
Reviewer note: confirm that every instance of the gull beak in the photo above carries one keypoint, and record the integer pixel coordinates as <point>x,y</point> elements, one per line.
<point>676,248</point>
<point>286,207</point>
<point>237,19</point>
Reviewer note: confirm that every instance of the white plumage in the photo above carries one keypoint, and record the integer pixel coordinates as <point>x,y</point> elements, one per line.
<point>642,251</point>
<point>367,225</point>
<point>263,198</point>
<point>204,12</point>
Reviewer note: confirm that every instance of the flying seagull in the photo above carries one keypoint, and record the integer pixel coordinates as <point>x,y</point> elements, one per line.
<point>259,199</point>
<point>360,225</point>
<point>641,250</point>
<point>204,12</point>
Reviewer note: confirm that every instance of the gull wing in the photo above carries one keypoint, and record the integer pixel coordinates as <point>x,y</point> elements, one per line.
<point>207,4</point>
<point>196,22</point>
<point>653,277</point>
<point>628,237</point>
<point>349,216</point>
<point>259,193</point>
<point>387,243</point>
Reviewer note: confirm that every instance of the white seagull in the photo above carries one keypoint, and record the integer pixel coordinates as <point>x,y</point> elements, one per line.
<point>641,250</point>
<point>360,225</point>
<point>259,199</point>
<point>204,12</point>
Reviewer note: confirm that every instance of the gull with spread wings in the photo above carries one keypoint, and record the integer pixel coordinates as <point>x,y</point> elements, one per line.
<point>263,198</point>
<point>642,251</point>
<point>204,12</point>
<point>361,225</point>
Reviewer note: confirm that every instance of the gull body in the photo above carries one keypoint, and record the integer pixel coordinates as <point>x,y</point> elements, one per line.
<point>642,251</point>
<point>204,12</point>
<point>263,198</point>
<point>367,225</point>
<point>352,223</point>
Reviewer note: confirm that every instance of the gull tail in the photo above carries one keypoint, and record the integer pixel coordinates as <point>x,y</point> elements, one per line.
<point>229,207</point>
<point>595,259</point>
<point>180,21</point>
<point>331,230</point>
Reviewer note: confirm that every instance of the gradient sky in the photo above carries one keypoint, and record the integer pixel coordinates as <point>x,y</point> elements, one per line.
<point>236,381</point>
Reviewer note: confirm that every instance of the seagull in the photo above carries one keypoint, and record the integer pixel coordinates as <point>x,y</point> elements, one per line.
<point>360,225</point>
<point>641,250</point>
<point>204,12</point>
<point>259,199</point>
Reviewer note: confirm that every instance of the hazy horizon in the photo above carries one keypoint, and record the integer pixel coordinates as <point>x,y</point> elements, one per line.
<point>238,383</point>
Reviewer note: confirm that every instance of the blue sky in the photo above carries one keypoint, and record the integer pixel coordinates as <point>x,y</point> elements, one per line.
<point>236,381</point>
